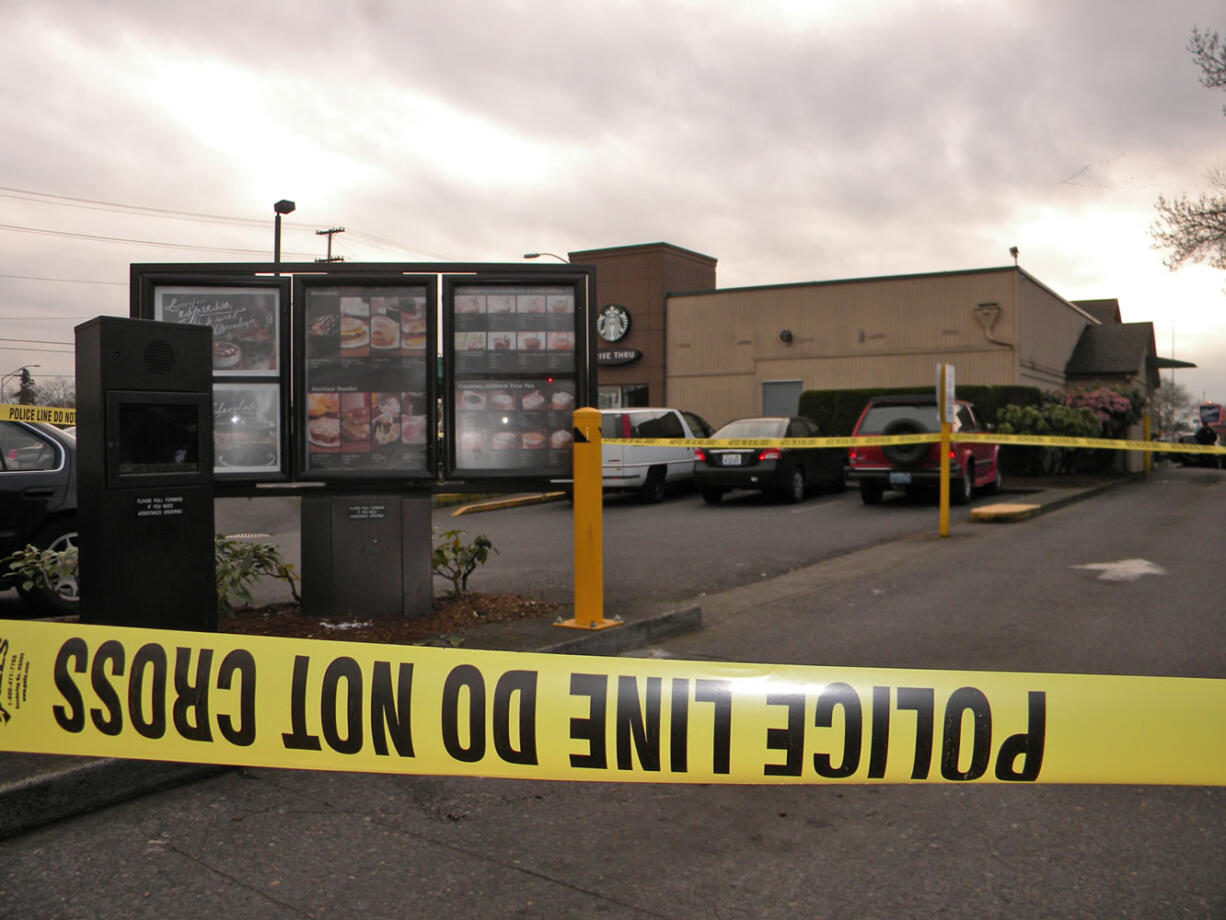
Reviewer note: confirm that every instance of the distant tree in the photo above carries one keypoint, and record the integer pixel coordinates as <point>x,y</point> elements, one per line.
<point>27,392</point>
<point>58,391</point>
<point>1194,230</point>
<point>1169,406</point>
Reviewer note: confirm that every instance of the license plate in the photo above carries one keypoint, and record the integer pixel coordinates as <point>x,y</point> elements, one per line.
<point>732,460</point>
<point>900,479</point>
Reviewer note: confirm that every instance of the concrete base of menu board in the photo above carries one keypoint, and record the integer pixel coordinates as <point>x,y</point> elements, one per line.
<point>366,555</point>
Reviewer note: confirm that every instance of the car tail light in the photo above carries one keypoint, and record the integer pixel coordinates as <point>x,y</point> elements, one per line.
<point>771,453</point>
<point>700,454</point>
<point>853,456</point>
<point>626,433</point>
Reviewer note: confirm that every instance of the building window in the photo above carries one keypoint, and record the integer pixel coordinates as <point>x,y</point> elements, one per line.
<point>619,397</point>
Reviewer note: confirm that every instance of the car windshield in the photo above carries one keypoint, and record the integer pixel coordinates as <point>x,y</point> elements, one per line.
<point>753,428</point>
<point>878,417</point>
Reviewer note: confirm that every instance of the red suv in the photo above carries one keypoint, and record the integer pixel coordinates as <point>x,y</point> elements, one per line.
<point>913,467</point>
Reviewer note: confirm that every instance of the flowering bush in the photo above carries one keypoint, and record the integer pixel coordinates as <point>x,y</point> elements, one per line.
<point>1117,408</point>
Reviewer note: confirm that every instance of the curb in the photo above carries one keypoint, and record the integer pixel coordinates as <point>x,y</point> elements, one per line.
<point>94,783</point>
<point>1008,513</point>
<point>497,504</point>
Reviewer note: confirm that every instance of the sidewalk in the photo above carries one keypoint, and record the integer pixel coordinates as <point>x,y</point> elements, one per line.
<point>37,789</point>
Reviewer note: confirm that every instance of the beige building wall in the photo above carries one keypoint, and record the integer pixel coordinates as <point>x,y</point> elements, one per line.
<point>878,332</point>
<point>1050,327</point>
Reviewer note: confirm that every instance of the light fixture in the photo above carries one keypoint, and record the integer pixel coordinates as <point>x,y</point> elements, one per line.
<point>284,206</point>
<point>786,336</point>
<point>537,255</point>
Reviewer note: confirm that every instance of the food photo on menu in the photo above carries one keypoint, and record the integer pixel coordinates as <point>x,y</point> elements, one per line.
<point>355,422</point>
<point>323,422</point>
<point>413,328</point>
<point>354,327</point>
<point>385,418</point>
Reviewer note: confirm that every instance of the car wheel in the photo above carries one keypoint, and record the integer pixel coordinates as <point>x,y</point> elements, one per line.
<point>712,496</point>
<point>871,492</point>
<point>905,455</point>
<point>794,491</point>
<point>62,597</point>
<point>653,489</point>
<point>962,490</point>
<point>997,483</point>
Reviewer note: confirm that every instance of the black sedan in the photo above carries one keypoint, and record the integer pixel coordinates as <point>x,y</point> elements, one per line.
<point>788,472</point>
<point>38,503</point>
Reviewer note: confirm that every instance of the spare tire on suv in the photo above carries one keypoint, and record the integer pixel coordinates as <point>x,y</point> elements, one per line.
<point>905,455</point>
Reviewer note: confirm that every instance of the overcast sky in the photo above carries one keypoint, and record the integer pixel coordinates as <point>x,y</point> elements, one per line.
<point>793,140</point>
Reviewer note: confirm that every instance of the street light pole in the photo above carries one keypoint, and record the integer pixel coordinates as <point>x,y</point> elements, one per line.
<point>281,207</point>
<point>24,367</point>
<point>537,255</point>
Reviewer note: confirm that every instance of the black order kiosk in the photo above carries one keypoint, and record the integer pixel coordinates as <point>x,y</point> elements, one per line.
<point>145,462</point>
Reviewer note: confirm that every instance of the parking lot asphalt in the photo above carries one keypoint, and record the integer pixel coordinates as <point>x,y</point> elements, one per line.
<point>36,789</point>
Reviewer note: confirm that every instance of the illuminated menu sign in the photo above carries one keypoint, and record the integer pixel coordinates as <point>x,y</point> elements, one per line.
<point>512,353</point>
<point>250,356</point>
<point>367,398</point>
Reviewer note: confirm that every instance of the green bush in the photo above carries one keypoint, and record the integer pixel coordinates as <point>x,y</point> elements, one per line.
<point>835,411</point>
<point>1053,419</point>
<point>238,564</point>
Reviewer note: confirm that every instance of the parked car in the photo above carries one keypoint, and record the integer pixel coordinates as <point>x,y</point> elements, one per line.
<point>914,467</point>
<point>788,472</point>
<point>649,471</point>
<point>38,503</point>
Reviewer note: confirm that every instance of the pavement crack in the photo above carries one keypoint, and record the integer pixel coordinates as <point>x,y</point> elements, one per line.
<point>234,880</point>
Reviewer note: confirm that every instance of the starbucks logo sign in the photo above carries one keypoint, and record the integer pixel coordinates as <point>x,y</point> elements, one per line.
<point>613,322</point>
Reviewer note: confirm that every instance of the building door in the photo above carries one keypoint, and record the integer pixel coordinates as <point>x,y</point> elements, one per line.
<point>781,397</point>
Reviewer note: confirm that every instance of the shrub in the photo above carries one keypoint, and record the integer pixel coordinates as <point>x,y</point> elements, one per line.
<point>237,565</point>
<point>455,560</point>
<point>1053,418</point>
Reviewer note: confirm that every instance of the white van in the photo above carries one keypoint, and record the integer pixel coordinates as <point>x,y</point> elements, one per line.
<point>650,471</point>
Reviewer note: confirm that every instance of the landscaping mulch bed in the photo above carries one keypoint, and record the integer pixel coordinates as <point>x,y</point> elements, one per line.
<point>446,624</point>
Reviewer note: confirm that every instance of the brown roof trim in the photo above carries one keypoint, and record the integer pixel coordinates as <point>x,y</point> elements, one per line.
<point>638,247</point>
<point>909,277</point>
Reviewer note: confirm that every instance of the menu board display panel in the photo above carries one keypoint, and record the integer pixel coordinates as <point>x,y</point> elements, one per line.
<point>249,320</point>
<point>367,406</point>
<point>514,374</point>
<point>247,435</point>
<point>246,324</point>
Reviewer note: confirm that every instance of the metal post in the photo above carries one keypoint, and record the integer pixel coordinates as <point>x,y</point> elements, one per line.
<point>588,497</point>
<point>945,432</point>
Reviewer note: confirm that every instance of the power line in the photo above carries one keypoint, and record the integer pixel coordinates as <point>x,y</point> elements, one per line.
<point>120,239</point>
<point>22,194</point>
<point>66,280</point>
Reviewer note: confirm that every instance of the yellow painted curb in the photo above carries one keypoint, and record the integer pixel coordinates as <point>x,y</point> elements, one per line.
<point>499,503</point>
<point>1003,512</point>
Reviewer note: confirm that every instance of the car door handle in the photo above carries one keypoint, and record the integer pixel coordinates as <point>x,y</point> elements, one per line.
<point>38,492</point>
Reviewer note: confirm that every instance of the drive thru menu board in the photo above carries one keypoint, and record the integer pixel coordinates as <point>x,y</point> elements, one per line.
<point>514,376</point>
<point>367,396</point>
<point>250,352</point>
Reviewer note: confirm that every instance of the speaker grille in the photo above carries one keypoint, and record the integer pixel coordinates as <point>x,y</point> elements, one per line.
<point>159,357</point>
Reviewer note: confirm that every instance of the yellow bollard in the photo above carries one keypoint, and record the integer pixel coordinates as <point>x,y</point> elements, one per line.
<point>588,507</point>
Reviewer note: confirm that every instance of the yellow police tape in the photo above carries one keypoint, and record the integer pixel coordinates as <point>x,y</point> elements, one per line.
<point>1034,440</point>
<point>53,415</point>
<point>322,705</point>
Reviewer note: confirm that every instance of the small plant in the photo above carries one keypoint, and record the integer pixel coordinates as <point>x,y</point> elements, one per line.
<point>455,560</point>
<point>238,564</point>
<point>45,568</point>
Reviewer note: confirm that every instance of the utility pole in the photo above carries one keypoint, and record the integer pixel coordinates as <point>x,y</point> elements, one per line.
<point>329,234</point>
